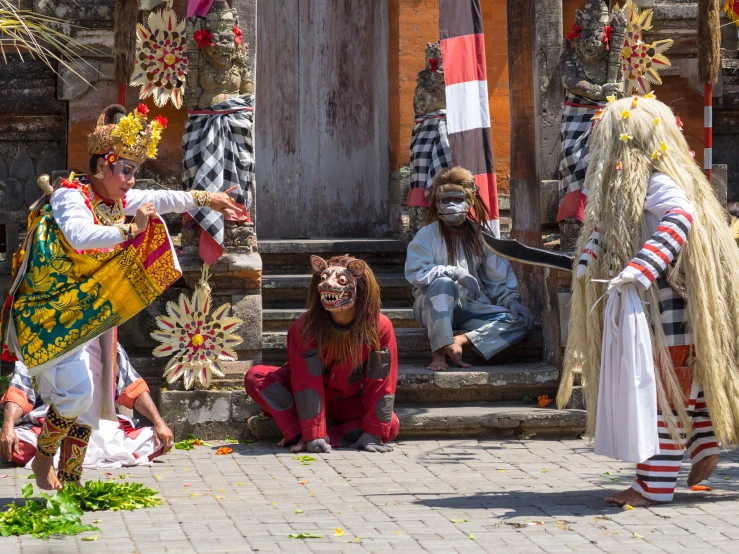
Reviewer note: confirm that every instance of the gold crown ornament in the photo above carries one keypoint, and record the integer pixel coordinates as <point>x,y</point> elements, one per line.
<point>126,137</point>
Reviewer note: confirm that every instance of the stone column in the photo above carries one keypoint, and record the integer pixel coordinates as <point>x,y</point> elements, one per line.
<point>534,54</point>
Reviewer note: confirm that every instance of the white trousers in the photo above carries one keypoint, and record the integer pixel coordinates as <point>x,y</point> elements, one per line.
<point>74,386</point>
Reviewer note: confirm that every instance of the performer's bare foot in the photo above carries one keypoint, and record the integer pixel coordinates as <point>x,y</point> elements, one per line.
<point>282,443</point>
<point>703,469</point>
<point>630,497</point>
<point>438,361</point>
<point>43,469</point>
<point>454,350</point>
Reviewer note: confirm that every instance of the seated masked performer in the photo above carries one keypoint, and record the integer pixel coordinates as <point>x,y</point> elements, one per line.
<point>342,366</point>
<point>458,284</point>
<point>80,273</point>
<point>653,222</point>
<point>113,444</point>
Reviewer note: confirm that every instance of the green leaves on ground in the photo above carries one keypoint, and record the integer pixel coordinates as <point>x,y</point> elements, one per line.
<point>304,536</point>
<point>114,496</point>
<point>54,515</point>
<point>60,514</point>
<point>189,443</point>
<point>305,459</point>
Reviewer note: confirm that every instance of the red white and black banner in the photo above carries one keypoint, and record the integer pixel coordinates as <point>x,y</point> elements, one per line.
<point>467,109</point>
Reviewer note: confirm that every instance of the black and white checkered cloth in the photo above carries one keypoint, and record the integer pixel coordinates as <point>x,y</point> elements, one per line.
<point>673,315</point>
<point>577,117</point>
<point>218,154</point>
<point>430,151</point>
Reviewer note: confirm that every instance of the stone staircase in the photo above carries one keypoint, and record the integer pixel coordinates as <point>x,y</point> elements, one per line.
<point>483,400</point>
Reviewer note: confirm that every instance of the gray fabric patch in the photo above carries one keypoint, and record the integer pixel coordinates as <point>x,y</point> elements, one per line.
<point>357,375</point>
<point>308,402</point>
<point>350,437</point>
<point>278,397</point>
<point>384,408</point>
<point>379,364</point>
<point>315,368</point>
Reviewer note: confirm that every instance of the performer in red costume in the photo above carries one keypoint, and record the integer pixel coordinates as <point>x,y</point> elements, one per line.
<point>338,386</point>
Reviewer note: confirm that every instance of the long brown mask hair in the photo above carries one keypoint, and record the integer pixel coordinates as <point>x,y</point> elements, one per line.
<point>469,234</point>
<point>334,343</point>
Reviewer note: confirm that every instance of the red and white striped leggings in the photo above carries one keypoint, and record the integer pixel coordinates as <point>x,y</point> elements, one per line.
<point>657,477</point>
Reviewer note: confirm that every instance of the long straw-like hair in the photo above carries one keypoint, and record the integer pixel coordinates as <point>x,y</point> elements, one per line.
<point>334,344</point>
<point>468,236</point>
<point>635,138</point>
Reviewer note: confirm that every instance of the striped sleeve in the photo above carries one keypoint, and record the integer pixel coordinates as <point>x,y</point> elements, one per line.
<point>664,246</point>
<point>590,252</point>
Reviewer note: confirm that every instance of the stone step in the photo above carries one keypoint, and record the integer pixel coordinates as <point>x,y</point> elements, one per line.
<point>293,256</point>
<point>512,382</point>
<point>488,419</point>
<point>279,319</point>
<point>413,344</point>
<point>277,290</point>
<point>500,419</point>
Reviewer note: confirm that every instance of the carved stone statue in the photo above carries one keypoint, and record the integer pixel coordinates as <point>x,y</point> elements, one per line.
<point>592,73</point>
<point>219,64</point>
<point>593,53</point>
<point>429,143</point>
<point>219,137</point>
<point>430,88</point>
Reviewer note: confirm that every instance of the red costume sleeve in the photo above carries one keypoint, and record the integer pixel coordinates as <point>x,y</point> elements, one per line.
<point>306,376</point>
<point>381,379</point>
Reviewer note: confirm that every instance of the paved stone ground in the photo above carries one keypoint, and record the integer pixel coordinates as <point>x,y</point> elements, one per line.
<point>514,496</point>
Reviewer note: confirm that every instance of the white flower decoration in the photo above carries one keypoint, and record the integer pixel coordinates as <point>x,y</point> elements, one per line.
<point>197,340</point>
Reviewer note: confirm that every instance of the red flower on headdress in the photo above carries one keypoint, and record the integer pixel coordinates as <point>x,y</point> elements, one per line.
<point>576,32</point>
<point>204,38</point>
<point>161,120</point>
<point>239,40</point>
<point>143,110</point>
<point>433,64</point>
<point>679,122</point>
<point>607,36</point>
<point>111,158</point>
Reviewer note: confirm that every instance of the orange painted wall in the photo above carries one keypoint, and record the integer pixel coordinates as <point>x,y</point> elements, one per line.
<point>419,24</point>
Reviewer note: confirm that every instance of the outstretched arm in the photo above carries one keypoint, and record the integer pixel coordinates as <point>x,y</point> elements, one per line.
<point>177,201</point>
<point>163,435</point>
<point>667,201</point>
<point>8,437</point>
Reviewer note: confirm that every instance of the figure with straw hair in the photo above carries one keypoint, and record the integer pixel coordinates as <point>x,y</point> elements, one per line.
<point>653,222</point>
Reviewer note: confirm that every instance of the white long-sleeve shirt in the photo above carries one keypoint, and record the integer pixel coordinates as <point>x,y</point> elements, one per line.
<point>77,222</point>
<point>427,260</point>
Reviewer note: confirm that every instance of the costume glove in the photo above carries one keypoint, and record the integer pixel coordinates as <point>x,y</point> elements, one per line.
<point>371,443</point>
<point>468,282</point>
<point>318,446</point>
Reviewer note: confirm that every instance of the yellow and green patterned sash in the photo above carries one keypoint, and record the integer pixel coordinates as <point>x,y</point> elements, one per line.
<point>63,298</point>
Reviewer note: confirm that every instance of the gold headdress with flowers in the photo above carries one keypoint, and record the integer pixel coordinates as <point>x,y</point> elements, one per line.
<point>128,137</point>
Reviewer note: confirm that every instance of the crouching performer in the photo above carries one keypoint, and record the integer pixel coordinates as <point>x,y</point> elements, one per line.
<point>81,272</point>
<point>338,386</point>
<point>464,294</point>
<point>654,227</point>
<point>113,444</point>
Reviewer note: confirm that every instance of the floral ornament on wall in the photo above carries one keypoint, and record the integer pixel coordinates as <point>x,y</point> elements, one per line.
<point>161,58</point>
<point>642,62</point>
<point>197,339</point>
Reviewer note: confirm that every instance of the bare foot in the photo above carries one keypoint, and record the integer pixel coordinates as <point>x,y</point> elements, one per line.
<point>298,446</point>
<point>282,443</point>
<point>438,361</point>
<point>703,469</point>
<point>630,497</point>
<point>43,468</point>
<point>454,351</point>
